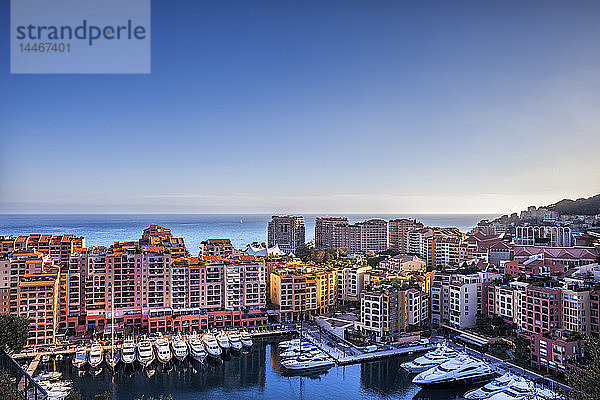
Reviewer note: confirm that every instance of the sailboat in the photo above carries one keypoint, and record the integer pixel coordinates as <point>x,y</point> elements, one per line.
<point>113,356</point>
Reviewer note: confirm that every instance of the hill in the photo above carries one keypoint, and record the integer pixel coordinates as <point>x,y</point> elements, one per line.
<point>589,206</point>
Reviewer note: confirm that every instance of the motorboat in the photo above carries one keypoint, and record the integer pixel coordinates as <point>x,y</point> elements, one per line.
<point>307,363</point>
<point>235,341</point>
<point>112,357</point>
<point>524,390</point>
<point>145,355</point>
<point>48,376</point>
<point>163,352</point>
<point>128,352</point>
<point>246,339</point>
<point>431,359</point>
<point>496,386</point>
<point>223,341</point>
<point>180,349</point>
<point>80,359</point>
<point>196,348</point>
<point>95,355</point>
<point>460,370</point>
<point>211,345</point>
<point>288,343</point>
<point>296,353</point>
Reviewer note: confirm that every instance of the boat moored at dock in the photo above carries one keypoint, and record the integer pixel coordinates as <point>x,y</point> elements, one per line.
<point>235,341</point>
<point>246,339</point>
<point>461,370</point>
<point>80,357</point>
<point>196,348</point>
<point>223,341</point>
<point>145,355</point>
<point>211,345</point>
<point>431,359</point>
<point>180,349</point>
<point>95,355</point>
<point>163,352</point>
<point>128,352</point>
<point>496,386</point>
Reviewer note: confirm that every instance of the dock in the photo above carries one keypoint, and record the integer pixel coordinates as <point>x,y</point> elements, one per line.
<point>356,356</point>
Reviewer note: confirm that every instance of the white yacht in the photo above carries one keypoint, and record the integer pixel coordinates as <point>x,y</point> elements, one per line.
<point>128,352</point>
<point>196,348</point>
<point>180,349</point>
<point>211,345</point>
<point>235,341</point>
<point>496,386</point>
<point>80,358</point>
<point>524,390</point>
<point>296,353</point>
<point>288,343</point>
<point>95,356</point>
<point>163,352</point>
<point>307,363</point>
<point>145,355</point>
<point>457,371</point>
<point>246,339</point>
<point>223,341</point>
<point>431,359</point>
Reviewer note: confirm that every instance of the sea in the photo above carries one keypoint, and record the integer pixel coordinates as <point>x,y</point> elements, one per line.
<point>242,229</point>
<point>255,375</point>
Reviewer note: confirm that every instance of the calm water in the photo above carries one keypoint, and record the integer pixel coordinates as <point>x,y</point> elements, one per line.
<point>101,229</point>
<point>256,376</point>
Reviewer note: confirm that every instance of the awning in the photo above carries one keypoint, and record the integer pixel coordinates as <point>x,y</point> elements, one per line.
<point>473,340</point>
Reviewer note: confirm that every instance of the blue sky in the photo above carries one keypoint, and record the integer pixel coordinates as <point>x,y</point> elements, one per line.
<point>319,106</point>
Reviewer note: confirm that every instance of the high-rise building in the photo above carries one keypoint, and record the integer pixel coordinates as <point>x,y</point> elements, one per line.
<point>398,233</point>
<point>324,231</point>
<point>286,231</point>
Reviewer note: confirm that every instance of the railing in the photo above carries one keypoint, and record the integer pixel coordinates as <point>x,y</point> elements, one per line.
<point>26,387</point>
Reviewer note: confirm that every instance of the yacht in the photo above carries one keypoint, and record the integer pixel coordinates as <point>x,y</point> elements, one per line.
<point>211,345</point>
<point>163,352</point>
<point>246,339</point>
<point>431,359</point>
<point>223,341</point>
<point>235,341</point>
<point>524,390</point>
<point>288,343</point>
<point>196,348</point>
<point>128,352</point>
<point>296,353</point>
<point>496,386</point>
<point>95,356</point>
<point>180,349</point>
<point>112,357</point>
<point>145,355</point>
<point>80,359</point>
<point>307,363</point>
<point>454,372</point>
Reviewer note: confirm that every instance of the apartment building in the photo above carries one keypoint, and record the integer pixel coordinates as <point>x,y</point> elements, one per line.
<point>437,246</point>
<point>157,236</point>
<point>217,247</point>
<point>39,298</point>
<point>575,312</point>
<point>543,309</point>
<point>552,352</point>
<point>569,256</point>
<point>303,291</point>
<point>324,231</point>
<point>595,313</point>
<point>287,232</point>
<point>373,235</point>
<point>398,233</point>
<point>403,264</point>
<point>440,298</point>
<point>390,308</point>
<point>57,247</point>
<point>351,282</point>
<point>499,300</point>
<point>519,303</point>
<point>465,298</point>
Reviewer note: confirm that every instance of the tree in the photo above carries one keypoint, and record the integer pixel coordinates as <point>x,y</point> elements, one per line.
<point>585,382</point>
<point>14,332</point>
<point>73,395</point>
<point>103,396</point>
<point>8,389</point>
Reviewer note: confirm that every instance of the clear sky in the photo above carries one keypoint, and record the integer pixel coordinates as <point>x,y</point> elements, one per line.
<point>317,106</point>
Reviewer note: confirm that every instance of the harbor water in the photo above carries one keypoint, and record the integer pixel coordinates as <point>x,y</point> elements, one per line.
<point>254,374</point>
